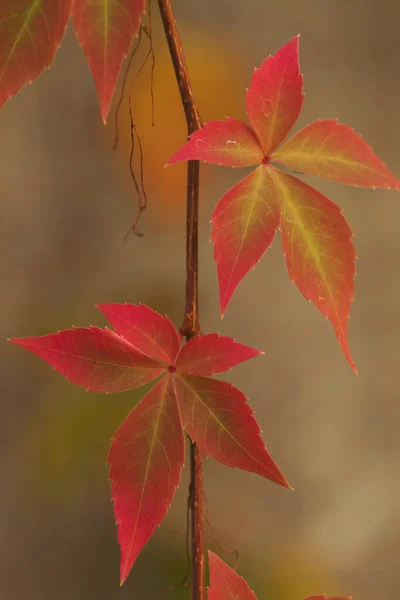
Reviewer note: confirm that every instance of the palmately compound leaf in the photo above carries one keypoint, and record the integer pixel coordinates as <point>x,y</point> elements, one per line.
<point>30,35</point>
<point>105,30</point>
<point>225,583</point>
<point>97,359</point>
<point>147,452</point>
<point>217,417</point>
<point>316,238</point>
<point>146,458</point>
<point>147,330</point>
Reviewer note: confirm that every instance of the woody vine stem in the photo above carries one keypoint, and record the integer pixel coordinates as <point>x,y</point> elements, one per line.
<point>191,324</point>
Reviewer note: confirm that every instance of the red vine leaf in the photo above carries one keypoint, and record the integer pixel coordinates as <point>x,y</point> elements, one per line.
<point>244,221</point>
<point>211,353</point>
<point>226,584</point>
<point>30,35</point>
<point>97,359</point>
<point>216,416</point>
<point>146,458</point>
<point>318,250</point>
<point>147,453</point>
<point>275,97</point>
<point>331,150</point>
<point>147,330</point>
<point>316,238</point>
<point>105,30</point>
<point>229,143</point>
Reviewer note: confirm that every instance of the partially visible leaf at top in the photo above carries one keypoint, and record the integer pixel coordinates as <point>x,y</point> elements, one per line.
<point>30,35</point>
<point>226,584</point>
<point>316,239</point>
<point>105,30</point>
<point>147,330</point>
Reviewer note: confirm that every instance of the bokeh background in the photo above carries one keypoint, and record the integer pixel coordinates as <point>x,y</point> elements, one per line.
<point>66,203</point>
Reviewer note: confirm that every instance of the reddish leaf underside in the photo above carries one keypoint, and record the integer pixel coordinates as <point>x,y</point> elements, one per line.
<point>229,143</point>
<point>217,417</point>
<point>244,225</point>
<point>30,34</point>
<point>275,97</point>
<point>334,151</point>
<point>97,359</point>
<point>148,331</point>
<point>211,353</point>
<point>105,30</point>
<point>226,584</point>
<point>146,458</point>
<point>318,250</point>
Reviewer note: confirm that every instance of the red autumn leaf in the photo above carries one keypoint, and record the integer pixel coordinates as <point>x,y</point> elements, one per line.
<point>146,455</point>
<point>146,458</point>
<point>105,31</point>
<point>216,416</point>
<point>320,257</point>
<point>209,354</point>
<point>229,143</point>
<point>244,221</point>
<point>275,97</point>
<point>97,359</point>
<point>318,251</point>
<point>30,35</point>
<point>144,328</point>
<point>226,584</point>
<point>331,150</point>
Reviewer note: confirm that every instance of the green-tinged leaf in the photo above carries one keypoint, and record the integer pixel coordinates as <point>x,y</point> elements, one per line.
<point>30,34</point>
<point>244,226</point>
<point>146,458</point>
<point>318,250</point>
<point>329,149</point>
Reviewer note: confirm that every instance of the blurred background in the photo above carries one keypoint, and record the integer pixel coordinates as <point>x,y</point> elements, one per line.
<point>67,201</point>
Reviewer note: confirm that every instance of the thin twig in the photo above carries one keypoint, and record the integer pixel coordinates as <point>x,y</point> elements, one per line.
<point>191,324</point>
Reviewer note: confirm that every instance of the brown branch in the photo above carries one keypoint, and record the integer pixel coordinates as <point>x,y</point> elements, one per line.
<point>191,324</point>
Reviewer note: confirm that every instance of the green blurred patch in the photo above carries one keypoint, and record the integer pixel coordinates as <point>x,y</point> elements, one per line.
<point>71,436</point>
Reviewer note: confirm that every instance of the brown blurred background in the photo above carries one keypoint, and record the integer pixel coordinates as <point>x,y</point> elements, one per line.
<point>66,203</point>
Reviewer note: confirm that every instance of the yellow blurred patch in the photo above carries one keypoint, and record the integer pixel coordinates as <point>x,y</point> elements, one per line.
<point>219,80</point>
